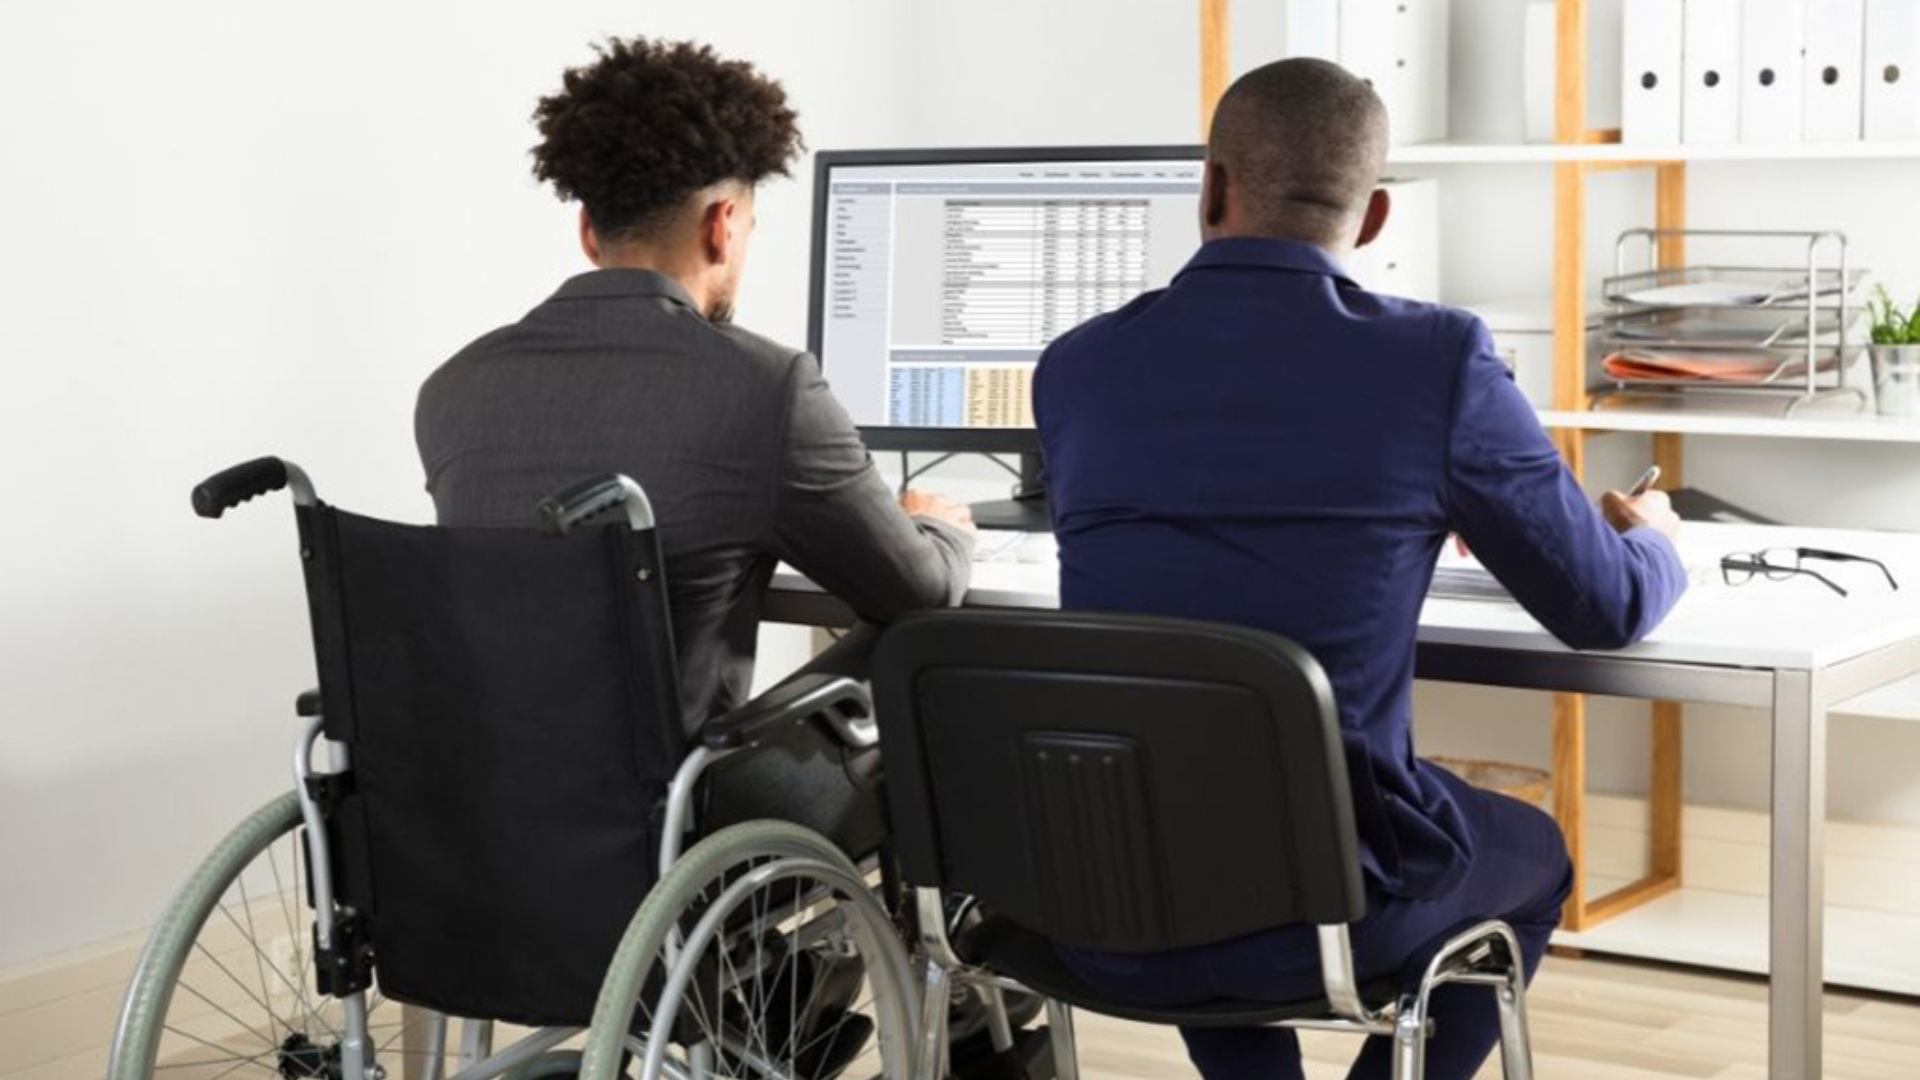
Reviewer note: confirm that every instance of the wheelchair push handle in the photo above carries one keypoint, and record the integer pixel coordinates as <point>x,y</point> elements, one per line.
<point>230,487</point>
<point>589,498</point>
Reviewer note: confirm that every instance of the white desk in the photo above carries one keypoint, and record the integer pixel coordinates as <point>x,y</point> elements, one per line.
<point>1792,648</point>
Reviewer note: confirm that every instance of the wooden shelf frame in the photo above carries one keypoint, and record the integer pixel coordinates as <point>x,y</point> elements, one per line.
<point>1666,764</point>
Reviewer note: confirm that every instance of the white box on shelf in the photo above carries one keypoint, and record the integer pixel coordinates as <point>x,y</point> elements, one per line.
<point>1773,45</point>
<point>1399,46</point>
<point>1423,63</point>
<point>1836,41</point>
<point>1313,29</point>
<point>1539,92</point>
<point>1523,337</point>
<point>1891,80</point>
<point>1650,56</point>
<point>1710,72</point>
<point>1405,259</point>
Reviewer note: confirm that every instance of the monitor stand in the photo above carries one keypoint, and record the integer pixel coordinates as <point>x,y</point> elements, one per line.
<point>1027,511</point>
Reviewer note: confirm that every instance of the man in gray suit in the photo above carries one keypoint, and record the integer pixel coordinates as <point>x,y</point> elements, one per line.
<point>636,367</point>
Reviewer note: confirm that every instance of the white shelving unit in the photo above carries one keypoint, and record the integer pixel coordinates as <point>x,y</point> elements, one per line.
<point>1456,153</point>
<point>1866,950</point>
<point>1737,419</point>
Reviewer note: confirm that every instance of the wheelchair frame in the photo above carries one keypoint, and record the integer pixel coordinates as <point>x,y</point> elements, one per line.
<point>842,704</point>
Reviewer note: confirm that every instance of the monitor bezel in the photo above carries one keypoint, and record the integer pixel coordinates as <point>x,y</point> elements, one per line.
<point>946,440</point>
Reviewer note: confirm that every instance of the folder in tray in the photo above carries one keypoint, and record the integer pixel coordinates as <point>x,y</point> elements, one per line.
<point>1647,365</point>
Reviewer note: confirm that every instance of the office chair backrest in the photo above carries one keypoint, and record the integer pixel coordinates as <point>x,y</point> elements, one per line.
<point>1117,783</point>
<point>511,706</point>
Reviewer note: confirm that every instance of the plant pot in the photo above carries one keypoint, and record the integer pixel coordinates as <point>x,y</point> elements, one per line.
<point>1896,380</point>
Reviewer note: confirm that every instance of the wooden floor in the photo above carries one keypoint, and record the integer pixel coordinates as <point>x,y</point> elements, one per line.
<point>1597,1019</point>
<point>1593,1019</point>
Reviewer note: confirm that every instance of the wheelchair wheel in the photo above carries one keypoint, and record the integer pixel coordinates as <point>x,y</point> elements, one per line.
<point>763,954</point>
<point>225,987</point>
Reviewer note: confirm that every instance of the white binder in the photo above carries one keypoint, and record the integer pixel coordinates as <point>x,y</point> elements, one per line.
<point>1423,63</point>
<point>1405,259</point>
<point>1313,29</point>
<point>1891,82</point>
<point>1710,71</point>
<point>1650,54</point>
<point>1772,55</point>
<point>1369,37</point>
<point>1836,40</point>
<point>1539,91</point>
<point>1400,47</point>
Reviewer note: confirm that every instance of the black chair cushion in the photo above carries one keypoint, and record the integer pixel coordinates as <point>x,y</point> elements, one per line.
<point>1006,948</point>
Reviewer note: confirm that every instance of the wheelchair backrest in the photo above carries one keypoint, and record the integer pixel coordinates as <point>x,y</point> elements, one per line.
<point>510,703</point>
<point>1114,782</point>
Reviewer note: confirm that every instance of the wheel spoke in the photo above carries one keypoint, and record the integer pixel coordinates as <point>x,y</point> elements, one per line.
<point>216,1061</point>
<point>222,1009</point>
<point>294,930</point>
<point>259,956</point>
<point>208,1043</point>
<point>256,1064</point>
<point>403,1025</point>
<point>260,959</point>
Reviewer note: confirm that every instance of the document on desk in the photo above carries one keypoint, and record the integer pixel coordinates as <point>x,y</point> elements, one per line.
<point>1461,577</point>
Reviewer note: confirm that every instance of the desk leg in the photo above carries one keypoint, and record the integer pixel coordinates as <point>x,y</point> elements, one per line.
<point>1797,912</point>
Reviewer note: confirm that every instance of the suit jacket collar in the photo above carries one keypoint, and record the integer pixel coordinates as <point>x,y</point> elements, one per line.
<point>1268,254</point>
<point>606,284</point>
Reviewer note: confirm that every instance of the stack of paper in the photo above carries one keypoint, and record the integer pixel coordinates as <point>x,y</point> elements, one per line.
<point>1694,294</point>
<point>1466,581</point>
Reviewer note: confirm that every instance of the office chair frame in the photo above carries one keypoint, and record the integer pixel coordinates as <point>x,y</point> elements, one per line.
<point>1487,954</point>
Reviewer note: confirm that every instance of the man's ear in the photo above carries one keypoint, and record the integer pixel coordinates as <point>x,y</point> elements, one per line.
<point>589,240</point>
<point>1213,194</point>
<point>717,223</point>
<point>1379,207</point>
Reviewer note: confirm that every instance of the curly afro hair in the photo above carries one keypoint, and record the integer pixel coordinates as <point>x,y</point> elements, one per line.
<point>649,123</point>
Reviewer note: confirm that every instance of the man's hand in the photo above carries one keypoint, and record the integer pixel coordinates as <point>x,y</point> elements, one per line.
<point>1652,509</point>
<point>939,508</point>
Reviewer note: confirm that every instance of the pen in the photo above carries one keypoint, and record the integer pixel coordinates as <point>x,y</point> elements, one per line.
<point>1645,483</point>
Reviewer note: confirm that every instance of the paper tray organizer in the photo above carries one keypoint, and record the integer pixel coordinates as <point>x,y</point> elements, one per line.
<point>1780,331</point>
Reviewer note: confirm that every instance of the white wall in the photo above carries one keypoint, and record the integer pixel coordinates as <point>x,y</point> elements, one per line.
<point>231,229</point>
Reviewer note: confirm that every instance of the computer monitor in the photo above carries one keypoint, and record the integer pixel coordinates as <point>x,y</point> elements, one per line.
<point>940,275</point>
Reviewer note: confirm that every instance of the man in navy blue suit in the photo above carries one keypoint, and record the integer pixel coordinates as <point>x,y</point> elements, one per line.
<point>1264,442</point>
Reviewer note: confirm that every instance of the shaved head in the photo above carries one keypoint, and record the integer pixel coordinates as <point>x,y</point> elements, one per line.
<point>1296,151</point>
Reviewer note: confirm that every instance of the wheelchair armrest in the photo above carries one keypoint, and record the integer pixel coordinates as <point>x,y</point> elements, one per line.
<point>842,704</point>
<point>307,705</point>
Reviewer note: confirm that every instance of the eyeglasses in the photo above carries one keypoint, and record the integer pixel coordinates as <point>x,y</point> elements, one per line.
<point>1781,563</point>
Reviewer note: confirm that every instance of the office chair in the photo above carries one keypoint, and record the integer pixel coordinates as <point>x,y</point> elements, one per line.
<point>1139,785</point>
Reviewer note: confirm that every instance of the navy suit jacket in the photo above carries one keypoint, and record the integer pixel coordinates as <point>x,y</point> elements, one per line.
<point>1265,443</point>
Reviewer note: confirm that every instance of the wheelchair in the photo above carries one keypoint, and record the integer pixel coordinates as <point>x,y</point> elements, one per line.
<point>491,806</point>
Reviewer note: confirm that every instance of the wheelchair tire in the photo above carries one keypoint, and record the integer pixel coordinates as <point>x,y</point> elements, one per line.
<point>552,1065</point>
<point>249,1003</point>
<point>689,929</point>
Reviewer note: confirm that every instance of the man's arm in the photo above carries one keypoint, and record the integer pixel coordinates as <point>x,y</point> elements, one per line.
<point>1511,498</point>
<point>836,520</point>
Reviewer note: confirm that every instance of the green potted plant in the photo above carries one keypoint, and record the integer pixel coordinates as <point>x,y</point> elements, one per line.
<point>1895,354</point>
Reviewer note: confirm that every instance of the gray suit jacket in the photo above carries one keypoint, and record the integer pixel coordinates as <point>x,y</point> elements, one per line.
<point>744,452</point>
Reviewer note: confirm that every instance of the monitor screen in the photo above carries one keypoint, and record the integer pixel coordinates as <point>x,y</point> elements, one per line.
<point>939,276</point>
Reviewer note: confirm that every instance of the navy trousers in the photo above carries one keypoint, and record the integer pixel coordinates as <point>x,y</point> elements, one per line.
<point>1520,873</point>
